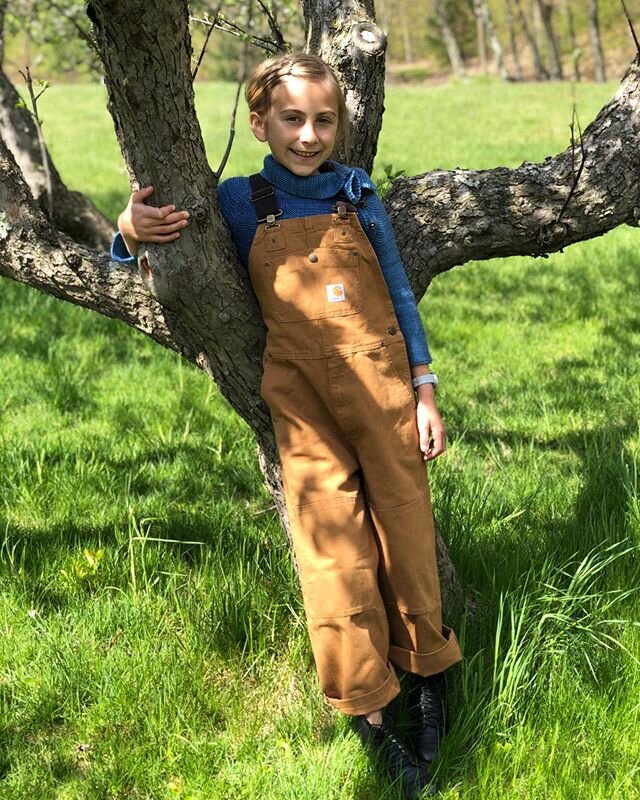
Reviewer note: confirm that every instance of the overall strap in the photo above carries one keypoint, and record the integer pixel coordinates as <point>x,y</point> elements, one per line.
<point>344,205</point>
<point>263,197</point>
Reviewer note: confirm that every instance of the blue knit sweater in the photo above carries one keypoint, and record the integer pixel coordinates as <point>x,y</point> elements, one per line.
<point>316,194</point>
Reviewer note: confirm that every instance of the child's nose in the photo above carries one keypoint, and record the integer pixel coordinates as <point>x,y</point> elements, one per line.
<point>308,133</point>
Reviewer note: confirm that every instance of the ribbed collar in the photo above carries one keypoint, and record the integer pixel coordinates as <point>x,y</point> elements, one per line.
<point>333,179</point>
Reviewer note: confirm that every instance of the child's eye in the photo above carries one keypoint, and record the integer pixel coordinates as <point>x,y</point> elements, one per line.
<point>292,118</point>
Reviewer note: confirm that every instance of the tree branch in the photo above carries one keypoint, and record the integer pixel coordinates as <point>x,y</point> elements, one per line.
<point>445,218</point>
<point>34,253</point>
<point>73,213</point>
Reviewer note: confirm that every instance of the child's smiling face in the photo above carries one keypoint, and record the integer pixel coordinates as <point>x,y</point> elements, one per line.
<point>301,124</point>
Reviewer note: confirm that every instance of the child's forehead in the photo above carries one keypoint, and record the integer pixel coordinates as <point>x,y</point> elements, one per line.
<point>305,94</point>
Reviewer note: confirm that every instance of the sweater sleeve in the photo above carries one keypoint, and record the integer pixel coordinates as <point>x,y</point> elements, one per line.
<point>383,240</point>
<point>119,251</point>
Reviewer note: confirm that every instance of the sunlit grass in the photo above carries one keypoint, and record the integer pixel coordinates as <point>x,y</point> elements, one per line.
<point>152,642</point>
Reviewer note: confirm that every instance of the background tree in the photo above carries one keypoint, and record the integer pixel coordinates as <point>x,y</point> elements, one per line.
<point>573,42</point>
<point>194,297</point>
<point>596,44</point>
<point>539,68</point>
<point>478,10</point>
<point>513,43</point>
<point>545,10</point>
<point>449,38</point>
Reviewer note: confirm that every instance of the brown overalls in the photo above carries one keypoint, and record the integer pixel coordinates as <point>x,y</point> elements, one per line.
<point>338,384</point>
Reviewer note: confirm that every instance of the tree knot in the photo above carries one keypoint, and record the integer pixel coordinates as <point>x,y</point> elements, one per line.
<point>552,234</point>
<point>368,37</point>
<point>201,213</point>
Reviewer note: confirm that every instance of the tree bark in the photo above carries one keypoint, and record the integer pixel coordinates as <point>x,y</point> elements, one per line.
<point>449,40</point>
<point>545,10</point>
<point>513,42</point>
<point>540,70</point>
<point>596,42</point>
<point>346,36</point>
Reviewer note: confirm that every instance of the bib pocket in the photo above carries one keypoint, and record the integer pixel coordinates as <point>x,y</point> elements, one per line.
<point>315,284</point>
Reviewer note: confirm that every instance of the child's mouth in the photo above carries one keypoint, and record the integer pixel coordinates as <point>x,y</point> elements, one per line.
<point>304,155</point>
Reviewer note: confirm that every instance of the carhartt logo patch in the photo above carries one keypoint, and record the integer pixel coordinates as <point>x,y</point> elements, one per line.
<point>335,292</point>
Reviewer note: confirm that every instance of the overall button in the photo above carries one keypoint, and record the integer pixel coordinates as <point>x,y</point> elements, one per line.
<point>313,258</point>
<point>392,330</point>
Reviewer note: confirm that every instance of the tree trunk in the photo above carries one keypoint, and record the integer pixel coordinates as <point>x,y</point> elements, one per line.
<point>496,47</point>
<point>573,43</point>
<point>73,213</point>
<point>539,68</point>
<point>449,40</point>
<point>481,34</point>
<point>513,42</point>
<point>545,10</point>
<point>346,36</point>
<point>596,42</point>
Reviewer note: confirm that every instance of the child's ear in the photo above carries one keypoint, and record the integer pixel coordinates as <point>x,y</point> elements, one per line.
<point>258,127</point>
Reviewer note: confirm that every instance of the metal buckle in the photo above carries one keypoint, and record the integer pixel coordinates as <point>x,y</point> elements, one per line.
<point>270,219</point>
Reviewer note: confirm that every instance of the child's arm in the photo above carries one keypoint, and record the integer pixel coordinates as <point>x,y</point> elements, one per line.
<point>429,421</point>
<point>142,223</point>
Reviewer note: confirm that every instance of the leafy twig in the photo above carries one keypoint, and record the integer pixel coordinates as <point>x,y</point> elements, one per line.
<point>206,41</point>
<point>82,34</point>
<point>44,85</point>
<point>575,122</point>
<point>235,30</point>
<point>242,74</point>
<point>274,26</point>
<point>631,28</point>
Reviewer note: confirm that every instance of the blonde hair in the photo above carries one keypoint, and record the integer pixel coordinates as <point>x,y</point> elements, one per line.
<point>267,75</point>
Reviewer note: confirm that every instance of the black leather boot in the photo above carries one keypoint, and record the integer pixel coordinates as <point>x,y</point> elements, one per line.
<point>429,714</point>
<point>396,755</point>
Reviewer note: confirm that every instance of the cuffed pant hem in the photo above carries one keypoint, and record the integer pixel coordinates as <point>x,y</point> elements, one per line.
<point>426,664</point>
<point>372,701</point>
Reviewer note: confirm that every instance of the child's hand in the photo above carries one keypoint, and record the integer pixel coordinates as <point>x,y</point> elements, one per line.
<point>430,425</point>
<point>142,223</point>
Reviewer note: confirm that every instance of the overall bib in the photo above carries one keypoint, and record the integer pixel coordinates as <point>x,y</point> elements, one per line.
<point>338,384</point>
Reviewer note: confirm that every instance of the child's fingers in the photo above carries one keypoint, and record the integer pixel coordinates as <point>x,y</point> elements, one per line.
<point>177,216</point>
<point>156,228</point>
<point>141,194</point>
<point>437,444</point>
<point>162,238</point>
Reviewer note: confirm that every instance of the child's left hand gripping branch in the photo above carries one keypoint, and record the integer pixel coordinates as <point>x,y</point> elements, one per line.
<point>430,425</point>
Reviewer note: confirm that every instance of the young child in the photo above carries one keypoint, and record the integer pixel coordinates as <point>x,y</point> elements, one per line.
<point>345,343</point>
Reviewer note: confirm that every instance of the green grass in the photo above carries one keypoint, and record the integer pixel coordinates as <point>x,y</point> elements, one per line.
<point>152,643</point>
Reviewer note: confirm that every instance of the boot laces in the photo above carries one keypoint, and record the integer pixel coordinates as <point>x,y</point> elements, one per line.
<point>431,708</point>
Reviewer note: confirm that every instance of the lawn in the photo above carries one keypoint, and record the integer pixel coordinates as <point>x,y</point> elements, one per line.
<point>152,640</point>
